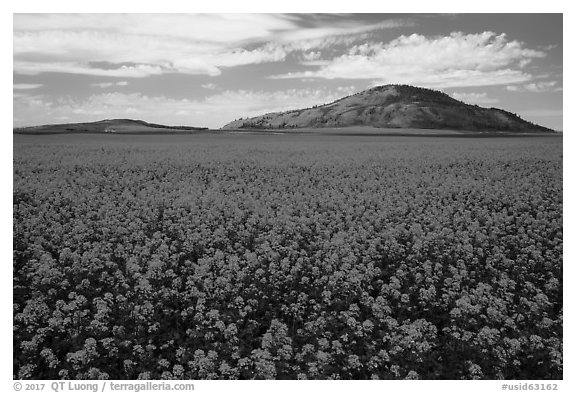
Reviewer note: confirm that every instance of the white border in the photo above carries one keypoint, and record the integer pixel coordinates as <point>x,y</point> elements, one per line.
<point>300,6</point>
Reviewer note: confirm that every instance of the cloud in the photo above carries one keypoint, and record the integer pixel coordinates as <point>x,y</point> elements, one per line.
<point>450,61</point>
<point>213,111</point>
<point>209,86</point>
<point>223,28</point>
<point>337,28</point>
<point>475,98</point>
<point>215,28</point>
<point>536,87</point>
<point>26,86</point>
<point>123,71</point>
<point>310,56</point>
<point>129,56</point>
<point>104,85</point>
<point>141,45</point>
<point>28,106</point>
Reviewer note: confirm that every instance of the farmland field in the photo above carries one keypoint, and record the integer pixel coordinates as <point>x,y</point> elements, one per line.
<point>243,256</point>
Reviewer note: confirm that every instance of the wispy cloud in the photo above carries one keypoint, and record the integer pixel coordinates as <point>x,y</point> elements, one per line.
<point>104,85</point>
<point>536,87</point>
<point>475,98</point>
<point>337,28</point>
<point>451,61</point>
<point>78,52</point>
<point>123,71</point>
<point>215,28</point>
<point>222,28</point>
<point>26,86</point>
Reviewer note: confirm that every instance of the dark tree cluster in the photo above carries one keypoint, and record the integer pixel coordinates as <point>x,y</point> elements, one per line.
<point>290,259</point>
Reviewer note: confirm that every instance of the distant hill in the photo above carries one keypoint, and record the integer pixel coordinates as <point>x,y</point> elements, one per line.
<point>111,126</point>
<point>394,106</point>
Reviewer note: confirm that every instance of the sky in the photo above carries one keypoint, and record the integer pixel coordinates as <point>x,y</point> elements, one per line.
<point>206,70</point>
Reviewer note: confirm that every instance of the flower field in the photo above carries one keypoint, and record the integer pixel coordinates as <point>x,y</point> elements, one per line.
<point>287,257</point>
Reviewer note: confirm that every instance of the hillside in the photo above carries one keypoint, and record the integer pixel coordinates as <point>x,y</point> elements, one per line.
<point>394,106</point>
<point>112,126</point>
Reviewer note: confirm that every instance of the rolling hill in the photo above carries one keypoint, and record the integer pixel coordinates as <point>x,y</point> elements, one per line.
<point>394,106</point>
<point>112,126</point>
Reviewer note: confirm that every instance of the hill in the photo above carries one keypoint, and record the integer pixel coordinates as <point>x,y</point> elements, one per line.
<point>394,106</point>
<point>112,126</point>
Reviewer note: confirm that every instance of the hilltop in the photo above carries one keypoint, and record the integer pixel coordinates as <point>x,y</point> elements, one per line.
<point>112,126</point>
<point>394,106</point>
